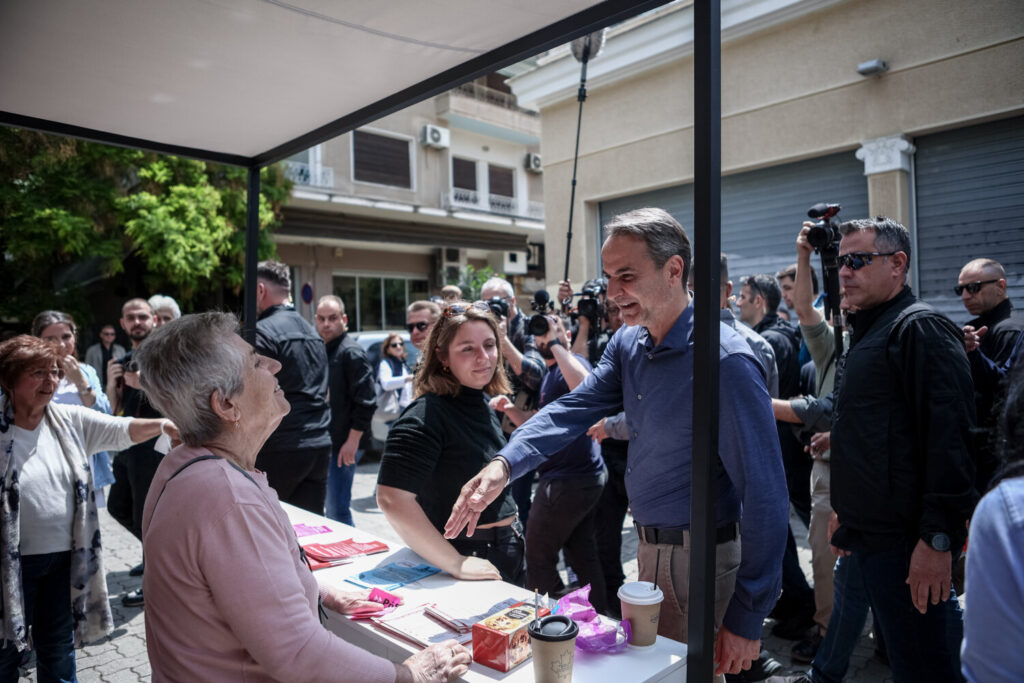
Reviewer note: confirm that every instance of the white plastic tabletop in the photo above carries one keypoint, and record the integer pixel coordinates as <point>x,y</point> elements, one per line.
<point>663,661</point>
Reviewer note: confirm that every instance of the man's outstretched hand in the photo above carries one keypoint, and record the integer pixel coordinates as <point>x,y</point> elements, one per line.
<point>476,495</point>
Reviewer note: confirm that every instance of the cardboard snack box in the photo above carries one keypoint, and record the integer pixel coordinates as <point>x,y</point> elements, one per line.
<point>501,640</point>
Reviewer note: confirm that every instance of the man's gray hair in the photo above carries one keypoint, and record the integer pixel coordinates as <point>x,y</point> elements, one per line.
<point>181,365</point>
<point>889,235</point>
<point>664,236</point>
<point>160,302</point>
<point>501,282</point>
<point>990,266</point>
<point>424,305</point>
<point>274,272</point>
<point>336,300</point>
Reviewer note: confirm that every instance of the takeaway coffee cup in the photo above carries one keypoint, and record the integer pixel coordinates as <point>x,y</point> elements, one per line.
<point>553,640</point>
<point>641,606</point>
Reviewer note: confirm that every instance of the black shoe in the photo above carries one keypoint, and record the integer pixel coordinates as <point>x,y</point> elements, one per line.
<point>763,667</point>
<point>133,599</point>
<point>804,651</point>
<point>137,569</point>
<point>795,628</point>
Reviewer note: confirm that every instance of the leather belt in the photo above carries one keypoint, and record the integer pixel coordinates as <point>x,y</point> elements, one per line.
<point>677,535</point>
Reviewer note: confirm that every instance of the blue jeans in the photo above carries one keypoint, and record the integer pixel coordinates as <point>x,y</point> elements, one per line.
<point>921,647</point>
<point>339,488</point>
<point>46,585</point>
<point>849,614</point>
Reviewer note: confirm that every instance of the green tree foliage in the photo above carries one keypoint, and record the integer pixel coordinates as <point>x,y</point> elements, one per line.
<point>71,211</point>
<point>472,281</point>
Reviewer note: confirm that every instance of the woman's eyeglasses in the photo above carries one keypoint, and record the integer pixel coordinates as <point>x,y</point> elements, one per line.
<point>420,326</point>
<point>396,345</point>
<point>452,310</point>
<point>856,260</point>
<point>972,287</point>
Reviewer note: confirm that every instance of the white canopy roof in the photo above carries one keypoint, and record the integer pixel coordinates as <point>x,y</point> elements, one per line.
<point>252,81</point>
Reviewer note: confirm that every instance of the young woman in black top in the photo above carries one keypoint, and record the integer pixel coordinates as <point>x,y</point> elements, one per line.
<point>443,439</point>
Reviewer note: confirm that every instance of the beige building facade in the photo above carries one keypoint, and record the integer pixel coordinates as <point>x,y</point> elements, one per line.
<point>390,213</point>
<point>934,139</point>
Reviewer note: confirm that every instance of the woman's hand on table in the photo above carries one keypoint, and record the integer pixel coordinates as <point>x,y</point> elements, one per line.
<point>437,664</point>
<point>475,569</point>
<point>347,602</point>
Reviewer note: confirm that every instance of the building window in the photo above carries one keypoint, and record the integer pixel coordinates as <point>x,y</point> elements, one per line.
<point>502,189</point>
<point>463,174</point>
<point>374,302</point>
<point>381,159</point>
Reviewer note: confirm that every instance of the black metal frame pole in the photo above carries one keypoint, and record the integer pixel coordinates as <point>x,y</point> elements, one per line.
<point>707,219</point>
<point>581,96</point>
<point>252,243</point>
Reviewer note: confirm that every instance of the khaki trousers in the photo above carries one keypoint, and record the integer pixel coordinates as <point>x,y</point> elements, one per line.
<point>673,567</point>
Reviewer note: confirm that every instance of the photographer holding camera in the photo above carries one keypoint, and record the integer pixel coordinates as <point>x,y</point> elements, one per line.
<point>591,334</point>
<point>523,364</point>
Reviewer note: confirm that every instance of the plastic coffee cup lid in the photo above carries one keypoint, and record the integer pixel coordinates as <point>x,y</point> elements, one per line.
<point>554,628</point>
<point>640,593</point>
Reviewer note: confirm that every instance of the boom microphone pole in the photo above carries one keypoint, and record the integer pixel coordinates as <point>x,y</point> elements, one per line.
<point>583,49</point>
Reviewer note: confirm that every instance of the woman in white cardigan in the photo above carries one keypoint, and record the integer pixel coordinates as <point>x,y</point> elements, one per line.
<point>51,568</point>
<point>393,374</point>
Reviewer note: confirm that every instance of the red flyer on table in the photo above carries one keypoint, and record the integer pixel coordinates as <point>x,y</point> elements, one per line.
<point>331,554</point>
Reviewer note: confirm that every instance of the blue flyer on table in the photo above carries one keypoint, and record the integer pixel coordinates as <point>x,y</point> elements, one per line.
<point>392,575</point>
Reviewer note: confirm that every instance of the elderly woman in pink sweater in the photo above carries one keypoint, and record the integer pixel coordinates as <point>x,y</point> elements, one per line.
<point>228,595</point>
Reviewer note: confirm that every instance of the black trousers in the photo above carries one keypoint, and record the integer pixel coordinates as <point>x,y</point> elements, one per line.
<point>610,516</point>
<point>298,475</point>
<point>134,470</point>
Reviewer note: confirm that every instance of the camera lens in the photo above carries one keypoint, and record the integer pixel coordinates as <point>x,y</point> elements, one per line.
<point>588,307</point>
<point>131,366</point>
<point>538,325</point>
<point>498,306</point>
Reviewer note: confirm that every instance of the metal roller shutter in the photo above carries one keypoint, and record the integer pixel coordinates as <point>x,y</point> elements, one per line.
<point>970,204</point>
<point>762,210</point>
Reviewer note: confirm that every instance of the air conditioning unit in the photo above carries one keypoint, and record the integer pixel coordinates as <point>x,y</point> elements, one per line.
<point>533,163</point>
<point>514,263</point>
<point>436,137</point>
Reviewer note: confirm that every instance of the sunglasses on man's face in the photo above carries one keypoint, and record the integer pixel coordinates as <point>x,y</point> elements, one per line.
<point>420,326</point>
<point>856,260</point>
<point>972,287</point>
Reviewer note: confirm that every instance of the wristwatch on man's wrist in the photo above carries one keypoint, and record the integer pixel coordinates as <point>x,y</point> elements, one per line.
<point>937,540</point>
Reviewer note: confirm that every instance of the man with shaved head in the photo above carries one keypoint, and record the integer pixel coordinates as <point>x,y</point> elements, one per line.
<point>982,289</point>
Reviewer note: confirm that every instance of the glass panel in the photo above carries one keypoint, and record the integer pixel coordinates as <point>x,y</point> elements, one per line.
<point>418,291</point>
<point>345,287</point>
<point>380,159</point>
<point>463,174</point>
<point>394,303</point>
<point>369,304</point>
<point>502,181</point>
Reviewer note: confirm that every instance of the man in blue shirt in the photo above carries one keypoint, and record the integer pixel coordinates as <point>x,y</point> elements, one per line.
<point>648,370</point>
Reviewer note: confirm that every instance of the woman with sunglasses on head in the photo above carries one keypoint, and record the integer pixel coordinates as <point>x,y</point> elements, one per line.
<point>51,570</point>
<point>80,385</point>
<point>441,440</point>
<point>392,374</point>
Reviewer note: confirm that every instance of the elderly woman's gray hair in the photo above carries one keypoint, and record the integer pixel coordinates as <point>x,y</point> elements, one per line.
<point>181,365</point>
<point>161,302</point>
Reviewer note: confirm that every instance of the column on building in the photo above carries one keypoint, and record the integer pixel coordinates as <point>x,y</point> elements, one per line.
<point>887,164</point>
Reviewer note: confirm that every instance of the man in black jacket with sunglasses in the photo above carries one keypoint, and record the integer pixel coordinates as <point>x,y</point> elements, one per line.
<point>902,467</point>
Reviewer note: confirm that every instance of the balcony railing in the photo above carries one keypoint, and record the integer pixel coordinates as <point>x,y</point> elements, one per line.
<point>303,174</point>
<point>459,198</point>
<point>492,96</point>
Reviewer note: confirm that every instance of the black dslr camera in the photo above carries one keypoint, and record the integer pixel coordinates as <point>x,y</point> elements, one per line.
<point>498,306</point>
<point>538,324</point>
<point>826,231</point>
<point>590,305</point>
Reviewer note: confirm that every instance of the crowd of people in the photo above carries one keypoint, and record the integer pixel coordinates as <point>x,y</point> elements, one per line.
<point>518,444</point>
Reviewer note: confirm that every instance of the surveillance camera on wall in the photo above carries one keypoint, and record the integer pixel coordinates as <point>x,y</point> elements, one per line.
<point>872,67</point>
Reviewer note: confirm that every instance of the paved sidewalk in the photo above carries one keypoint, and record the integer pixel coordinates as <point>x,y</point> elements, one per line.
<point>121,657</point>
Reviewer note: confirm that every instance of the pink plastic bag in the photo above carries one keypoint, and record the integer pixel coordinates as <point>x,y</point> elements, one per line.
<point>597,633</point>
